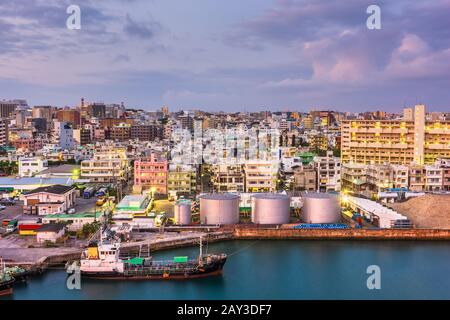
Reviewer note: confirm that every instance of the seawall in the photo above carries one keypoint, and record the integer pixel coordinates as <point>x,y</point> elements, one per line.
<point>260,233</point>
<point>342,234</point>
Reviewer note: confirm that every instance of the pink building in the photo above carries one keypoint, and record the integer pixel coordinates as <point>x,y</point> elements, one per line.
<point>151,173</point>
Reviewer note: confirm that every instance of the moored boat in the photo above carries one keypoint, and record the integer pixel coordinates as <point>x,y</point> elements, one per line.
<point>6,281</point>
<point>19,274</point>
<point>102,260</point>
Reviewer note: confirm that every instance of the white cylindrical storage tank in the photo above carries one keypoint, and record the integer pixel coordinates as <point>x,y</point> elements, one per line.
<point>219,208</point>
<point>182,212</point>
<point>270,208</point>
<point>321,208</point>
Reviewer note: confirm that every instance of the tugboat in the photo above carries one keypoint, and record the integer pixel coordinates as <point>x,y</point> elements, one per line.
<point>6,281</point>
<point>102,260</point>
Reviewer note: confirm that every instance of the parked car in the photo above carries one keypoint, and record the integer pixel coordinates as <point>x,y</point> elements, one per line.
<point>2,207</point>
<point>7,202</point>
<point>70,211</point>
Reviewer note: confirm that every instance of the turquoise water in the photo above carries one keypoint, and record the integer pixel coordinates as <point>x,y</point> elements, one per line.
<point>281,270</point>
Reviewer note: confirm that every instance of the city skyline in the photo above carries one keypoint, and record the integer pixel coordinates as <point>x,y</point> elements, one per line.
<point>260,55</point>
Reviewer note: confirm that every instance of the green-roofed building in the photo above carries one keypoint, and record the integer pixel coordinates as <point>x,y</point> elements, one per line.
<point>306,157</point>
<point>138,205</point>
<point>75,221</point>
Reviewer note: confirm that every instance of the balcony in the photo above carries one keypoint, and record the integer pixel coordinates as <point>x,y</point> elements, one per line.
<point>438,146</point>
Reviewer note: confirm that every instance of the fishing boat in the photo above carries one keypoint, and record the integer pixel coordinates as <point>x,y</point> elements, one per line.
<point>102,260</point>
<point>6,281</point>
<point>19,274</point>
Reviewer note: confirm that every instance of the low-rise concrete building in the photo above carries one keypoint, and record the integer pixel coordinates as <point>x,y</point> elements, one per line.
<point>74,221</point>
<point>28,167</point>
<point>50,232</point>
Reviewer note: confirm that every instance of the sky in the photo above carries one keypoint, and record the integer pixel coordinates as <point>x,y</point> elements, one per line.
<point>229,55</point>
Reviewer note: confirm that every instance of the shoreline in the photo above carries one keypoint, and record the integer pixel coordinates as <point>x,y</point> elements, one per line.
<point>245,233</point>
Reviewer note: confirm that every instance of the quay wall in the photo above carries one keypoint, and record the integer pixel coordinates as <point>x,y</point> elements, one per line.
<point>176,243</point>
<point>342,234</point>
<point>260,233</point>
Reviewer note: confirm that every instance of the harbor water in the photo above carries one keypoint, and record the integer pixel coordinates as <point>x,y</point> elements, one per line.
<point>280,270</point>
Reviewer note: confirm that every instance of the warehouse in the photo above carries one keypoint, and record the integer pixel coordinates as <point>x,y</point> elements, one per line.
<point>376,213</point>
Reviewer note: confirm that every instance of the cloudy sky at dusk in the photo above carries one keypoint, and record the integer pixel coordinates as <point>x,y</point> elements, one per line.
<point>228,55</point>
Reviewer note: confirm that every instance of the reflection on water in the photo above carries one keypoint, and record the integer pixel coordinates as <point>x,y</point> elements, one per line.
<point>280,270</point>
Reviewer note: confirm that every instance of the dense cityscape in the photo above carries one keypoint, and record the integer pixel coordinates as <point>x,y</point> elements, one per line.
<point>257,150</point>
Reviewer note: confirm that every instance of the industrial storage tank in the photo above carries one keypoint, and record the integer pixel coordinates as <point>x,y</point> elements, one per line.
<point>219,208</point>
<point>321,208</point>
<point>182,212</point>
<point>270,208</point>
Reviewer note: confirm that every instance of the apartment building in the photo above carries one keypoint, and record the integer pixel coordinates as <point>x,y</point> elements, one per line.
<point>182,179</point>
<point>353,177</point>
<point>7,108</point>
<point>4,136</point>
<point>304,178</point>
<point>328,172</point>
<point>400,141</point>
<point>228,178</point>
<point>400,176</point>
<point>146,132</point>
<point>261,176</point>
<point>108,165</point>
<point>62,135</point>
<point>151,173</point>
<point>433,178</point>
<point>308,122</point>
<point>379,177</point>
<point>82,136</point>
<point>71,116</point>
<point>288,163</point>
<point>445,165</point>
<point>417,177</point>
<point>97,110</point>
<point>319,142</point>
<point>43,112</point>
<point>120,132</point>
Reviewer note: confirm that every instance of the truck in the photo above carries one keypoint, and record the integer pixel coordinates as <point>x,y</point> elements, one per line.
<point>12,225</point>
<point>101,192</point>
<point>88,192</point>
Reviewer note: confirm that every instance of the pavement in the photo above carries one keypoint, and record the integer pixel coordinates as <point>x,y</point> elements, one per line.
<point>85,205</point>
<point>33,255</point>
<point>11,212</point>
<point>166,206</point>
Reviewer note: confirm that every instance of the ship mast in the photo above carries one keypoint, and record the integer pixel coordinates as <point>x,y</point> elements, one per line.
<point>201,251</point>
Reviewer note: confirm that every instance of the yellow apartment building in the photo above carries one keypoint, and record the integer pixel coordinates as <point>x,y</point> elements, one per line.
<point>401,141</point>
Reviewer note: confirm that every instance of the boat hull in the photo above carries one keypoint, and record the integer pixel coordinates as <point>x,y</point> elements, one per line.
<point>6,288</point>
<point>214,269</point>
